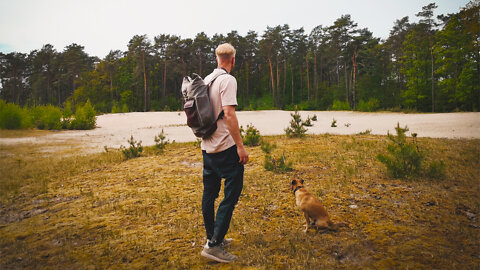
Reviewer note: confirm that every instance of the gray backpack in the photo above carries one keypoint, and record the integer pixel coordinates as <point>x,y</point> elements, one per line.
<point>197,106</point>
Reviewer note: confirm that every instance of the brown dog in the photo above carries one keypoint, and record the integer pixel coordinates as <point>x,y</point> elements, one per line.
<point>312,208</point>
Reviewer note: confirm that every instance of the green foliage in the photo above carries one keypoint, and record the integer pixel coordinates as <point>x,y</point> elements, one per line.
<point>134,150</point>
<point>436,170</point>
<point>12,116</point>
<point>251,136</point>
<point>404,160</point>
<point>160,142</point>
<point>334,123</point>
<point>46,117</point>
<point>85,117</point>
<point>340,106</point>
<point>115,109</point>
<point>277,165</point>
<point>267,148</point>
<point>370,106</point>
<point>396,72</point>
<point>297,126</point>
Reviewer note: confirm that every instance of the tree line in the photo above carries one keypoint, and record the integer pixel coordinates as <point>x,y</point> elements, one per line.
<point>432,65</point>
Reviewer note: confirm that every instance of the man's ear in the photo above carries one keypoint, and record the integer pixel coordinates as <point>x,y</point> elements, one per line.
<point>301,181</point>
<point>294,182</point>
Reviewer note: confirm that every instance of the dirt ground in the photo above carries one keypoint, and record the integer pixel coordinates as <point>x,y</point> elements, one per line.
<point>114,130</point>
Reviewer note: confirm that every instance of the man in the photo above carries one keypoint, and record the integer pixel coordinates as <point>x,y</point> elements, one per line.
<point>223,157</point>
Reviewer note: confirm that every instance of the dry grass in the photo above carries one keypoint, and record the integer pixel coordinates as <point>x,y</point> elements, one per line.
<point>99,211</point>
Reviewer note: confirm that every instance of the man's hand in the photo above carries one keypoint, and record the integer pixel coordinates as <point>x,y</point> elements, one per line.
<point>232,125</point>
<point>242,153</point>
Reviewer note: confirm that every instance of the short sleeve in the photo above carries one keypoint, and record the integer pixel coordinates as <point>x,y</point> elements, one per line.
<point>228,91</point>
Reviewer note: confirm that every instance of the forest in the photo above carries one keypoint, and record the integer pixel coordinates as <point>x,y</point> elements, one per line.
<point>432,65</point>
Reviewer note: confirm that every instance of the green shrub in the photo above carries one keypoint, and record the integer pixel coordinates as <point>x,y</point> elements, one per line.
<point>436,170</point>
<point>403,160</point>
<point>125,108</point>
<point>13,117</point>
<point>134,150</point>
<point>371,105</point>
<point>85,117</point>
<point>277,165</point>
<point>115,108</point>
<point>340,106</point>
<point>251,136</point>
<point>160,142</point>
<point>46,117</point>
<point>334,123</point>
<point>297,126</point>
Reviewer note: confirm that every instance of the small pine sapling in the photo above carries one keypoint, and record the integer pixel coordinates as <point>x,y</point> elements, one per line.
<point>134,150</point>
<point>251,136</point>
<point>297,126</point>
<point>160,142</point>
<point>404,160</point>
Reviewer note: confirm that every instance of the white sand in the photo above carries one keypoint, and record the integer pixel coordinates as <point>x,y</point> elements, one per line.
<point>114,130</point>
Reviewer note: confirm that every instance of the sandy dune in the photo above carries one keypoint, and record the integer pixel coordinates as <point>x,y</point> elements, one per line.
<point>114,130</point>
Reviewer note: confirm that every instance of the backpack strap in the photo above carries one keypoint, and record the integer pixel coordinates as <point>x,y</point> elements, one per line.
<point>215,77</point>
<point>220,116</point>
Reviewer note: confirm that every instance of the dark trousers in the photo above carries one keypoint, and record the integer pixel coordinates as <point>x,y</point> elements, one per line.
<point>216,166</point>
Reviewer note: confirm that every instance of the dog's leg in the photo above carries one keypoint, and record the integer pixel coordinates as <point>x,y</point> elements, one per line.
<point>307,219</point>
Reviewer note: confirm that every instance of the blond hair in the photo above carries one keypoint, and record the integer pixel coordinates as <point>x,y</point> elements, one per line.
<point>225,51</point>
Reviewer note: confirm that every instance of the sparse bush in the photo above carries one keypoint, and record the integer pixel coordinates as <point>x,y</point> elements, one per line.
<point>12,116</point>
<point>160,142</point>
<point>251,136</point>
<point>366,132</point>
<point>267,148</point>
<point>277,165</point>
<point>297,126</point>
<point>67,115</point>
<point>116,108</point>
<point>134,150</point>
<point>46,117</point>
<point>340,106</point>
<point>334,123</point>
<point>371,105</point>
<point>436,170</point>
<point>404,159</point>
<point>85,117</point>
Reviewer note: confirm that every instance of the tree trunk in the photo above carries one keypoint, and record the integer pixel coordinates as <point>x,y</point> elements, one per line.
<point>246,90</point>
<point>164,94</point>
<point>433,83</point>
<point>291,69</point>
<point>315,86</point>
<point>346,82</point>
<point>284,80</point>
<point>354,82</point>
<point>277,102</point>
<point>301,84</point>
<point>271,76</point>
<point>111,86</point>
<point>144,82</point>
<point>308,80</point>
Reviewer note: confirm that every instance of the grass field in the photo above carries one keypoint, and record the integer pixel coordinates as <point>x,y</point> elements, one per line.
<point>96,211</point>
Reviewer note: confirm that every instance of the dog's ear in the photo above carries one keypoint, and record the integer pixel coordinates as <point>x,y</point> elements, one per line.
<point>294,182</point>
<point>301,181</point>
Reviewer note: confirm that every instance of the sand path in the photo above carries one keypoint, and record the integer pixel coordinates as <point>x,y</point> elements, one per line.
<point>114,130</point>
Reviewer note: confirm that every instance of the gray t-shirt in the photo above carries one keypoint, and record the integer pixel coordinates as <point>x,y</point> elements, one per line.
<point>223,92</point>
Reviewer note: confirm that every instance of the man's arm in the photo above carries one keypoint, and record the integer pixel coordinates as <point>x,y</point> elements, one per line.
<point>232,125</point>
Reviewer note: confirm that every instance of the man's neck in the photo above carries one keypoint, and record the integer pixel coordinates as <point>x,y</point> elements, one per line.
<point>224,68</point>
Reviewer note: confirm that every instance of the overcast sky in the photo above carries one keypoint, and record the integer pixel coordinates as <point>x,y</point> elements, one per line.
<point>104,25</point>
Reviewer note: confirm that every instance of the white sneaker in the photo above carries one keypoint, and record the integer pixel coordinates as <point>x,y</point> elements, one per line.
<point>217,253</point>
